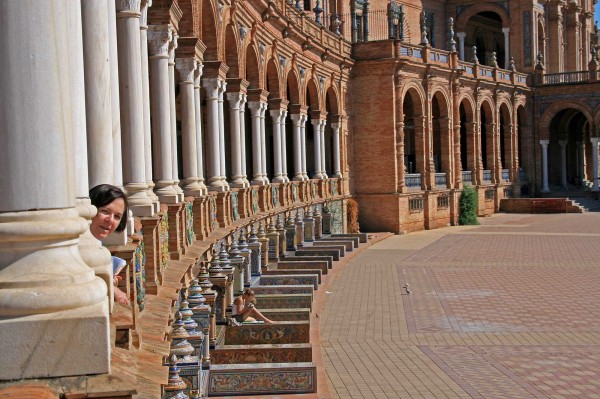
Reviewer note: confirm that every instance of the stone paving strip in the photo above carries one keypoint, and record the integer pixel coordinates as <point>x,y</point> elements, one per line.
<point>508,309</point>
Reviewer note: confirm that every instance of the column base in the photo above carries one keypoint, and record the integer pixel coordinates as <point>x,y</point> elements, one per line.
<point>168,199</point>
<point>278,179</point>
<point>258,181</point>
<point>143,210</point>
<point>237,183</point>
<point>298,178</point>
<point>73,342</point>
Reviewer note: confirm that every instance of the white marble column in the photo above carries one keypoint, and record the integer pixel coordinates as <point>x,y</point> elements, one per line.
<point>98,111</point>
<point>461,44</point>
<point>255,108</point>
<point>303,121</point>
<point>506,32</point>
<point>276,115</point>
<point>173,112</point>
<point>199,143</point>
<point>47,292</point>
<point>146,103</point>
<point>92,21</point>
<point>132,123</point>
<point>284,148</point>
<point>213,152</point>
<point>594,141</point>
<point>235,100</point>
<point>563,162</point>
<point>263,146</point>
<point>114,95</point>
<point>159,38</point>
<point>187,68</point>
<point>323,147</point>
<point>243,139</point>
<point>317,147</point>
<point>336,150</point>
<point>221,113</point>
<point>296,121</point>
<point>544,144</point>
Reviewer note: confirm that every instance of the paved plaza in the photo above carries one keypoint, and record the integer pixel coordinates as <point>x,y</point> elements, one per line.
<point>508,309</point>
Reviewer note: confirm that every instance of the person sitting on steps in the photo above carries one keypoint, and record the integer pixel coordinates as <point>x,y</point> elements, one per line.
<point>244,309</point>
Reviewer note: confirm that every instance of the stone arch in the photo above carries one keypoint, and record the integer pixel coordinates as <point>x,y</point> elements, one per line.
<point>253,67</point>
<point>210,30</point>
<point>555,108</point>
<point>232,53</point>
<point>469,12</point>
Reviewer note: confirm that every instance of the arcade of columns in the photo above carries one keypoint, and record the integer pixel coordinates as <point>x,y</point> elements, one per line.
<point>107,113</point>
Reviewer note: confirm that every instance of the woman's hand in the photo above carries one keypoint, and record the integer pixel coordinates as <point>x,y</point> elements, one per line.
<point>121,297</point>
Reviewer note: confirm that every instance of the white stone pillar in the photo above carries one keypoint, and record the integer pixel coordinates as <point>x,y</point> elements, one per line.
<point>461,44</point>
<point>98,109</point>
<point>284,148</point>
<point>199,143</point>
<point>46,290</point>
<point>323,147</point>
<point>506,32</point>
<point>563,162</point>
<point>173,118</point>
<point>594,141</point>
<point>263,146</point>
<point>243,139</point>
<point>296,121</point>
<point>132,123</point>
<point>303,145</point>
<point>187,68</point>
<point>255,108</point>
<point>212,87</point>
<point>235,99</point>
<point>114,95</point>
<point>222,167</point>
<point>146,103</point>
<point>317,147</point>
<point>92,20</point>
<point>159,38</point>
<point>544,144</point>
<point>336,150</point>
<point>276,115</point>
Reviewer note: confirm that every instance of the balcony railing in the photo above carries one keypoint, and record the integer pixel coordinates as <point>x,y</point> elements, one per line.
<point>487,176</point>
<point>568,77</point>
<point>505,175</point>
<point>440,180</point>
<point>413,180</point>
<point>467,177</point>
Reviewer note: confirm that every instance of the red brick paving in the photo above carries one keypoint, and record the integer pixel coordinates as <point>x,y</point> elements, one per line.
<point>508,309</point>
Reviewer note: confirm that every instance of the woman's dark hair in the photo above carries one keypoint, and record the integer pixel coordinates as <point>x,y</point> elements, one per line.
<point>104,194</point>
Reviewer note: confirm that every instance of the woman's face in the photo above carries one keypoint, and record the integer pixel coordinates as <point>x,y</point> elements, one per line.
<point>107,219</point>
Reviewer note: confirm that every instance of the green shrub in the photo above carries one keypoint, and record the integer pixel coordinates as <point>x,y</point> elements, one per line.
<point>468,207</point>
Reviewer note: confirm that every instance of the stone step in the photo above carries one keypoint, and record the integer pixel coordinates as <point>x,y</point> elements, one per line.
<point>316,264</point>
<point>290,279</point>
<point>355,240</point>
<point>300,314</point>
<point>316,272</point>
<point>284,301</point>
<point>319,251</point>
<point>266,353</point>
<point>262,378</point>
<point>285,332</point>
<point>361,236</point>
<point>348,245</point>
<point>309,258</point>
<point>283,289</point>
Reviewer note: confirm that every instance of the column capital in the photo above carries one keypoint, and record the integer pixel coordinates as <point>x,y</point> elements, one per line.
<point>335,127</point>
<point>506,30</point>
<point>461,35</point>
<point>159,37</point>
<point>235,99</point>
<point>172,45</point>
<point>198,74</point>
<point>186,68</point>
<point>133,6</point>
<point>212,87</point>
<point>594,140</point>
<point>544,143</point>
<point>255,107</point>
<point>562,143</point>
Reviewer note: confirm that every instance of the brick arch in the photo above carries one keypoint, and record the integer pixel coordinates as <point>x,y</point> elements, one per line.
<point>418,98</point>
<point>596,115</point>
<point>272,82</point>
<point>332,100</point>
<point>506,104</point>
<point>293,87</point>
<point>210,30</point>
<point>469,104</point>
<point>463,18</point>
<point>555,108</point>
<point>443,100</point>
<point>487,105</point>
<point>252,66</point>
<point>231,50</point>
<point>312,88</point>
